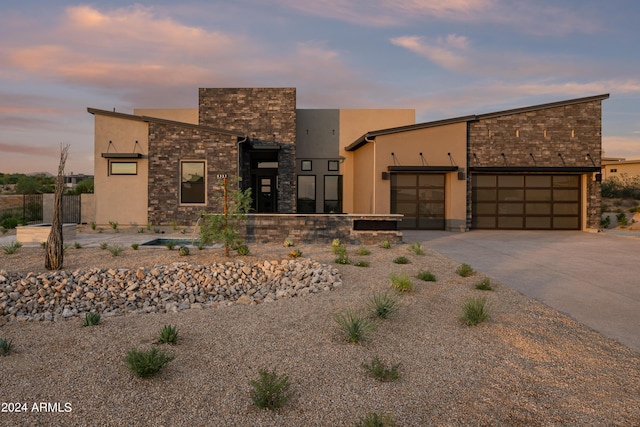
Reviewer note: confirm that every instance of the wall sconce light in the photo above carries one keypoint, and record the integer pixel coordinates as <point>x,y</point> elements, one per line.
<point>544,133</point>
<point>461,174</point>
<point>573,133</point>
<point>588,157</point>
<point>517,133</point>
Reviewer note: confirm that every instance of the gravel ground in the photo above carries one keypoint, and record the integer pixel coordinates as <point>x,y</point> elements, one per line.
<point>527,365</point>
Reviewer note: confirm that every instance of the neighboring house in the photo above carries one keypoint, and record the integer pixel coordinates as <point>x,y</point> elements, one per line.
<point>536,167</point>
<point>71,180</point>
<point>617,166</point>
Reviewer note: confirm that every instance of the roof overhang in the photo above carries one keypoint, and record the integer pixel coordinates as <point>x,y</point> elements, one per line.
<point>422,168</point>
<point>122,155</point>
<point>534,169</point>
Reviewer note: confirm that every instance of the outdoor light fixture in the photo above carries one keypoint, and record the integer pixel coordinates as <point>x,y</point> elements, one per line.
<point>588,157</point>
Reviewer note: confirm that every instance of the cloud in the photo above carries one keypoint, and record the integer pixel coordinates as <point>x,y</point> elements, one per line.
<point>620,146</point>
<point>29,150</point>
<point>447,52</point>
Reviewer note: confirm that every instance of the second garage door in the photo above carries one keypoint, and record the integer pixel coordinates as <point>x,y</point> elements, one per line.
<point>530,201</point>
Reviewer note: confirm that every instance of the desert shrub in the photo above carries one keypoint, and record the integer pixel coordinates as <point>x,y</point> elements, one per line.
<point>5,346</point>
<point>464,270</point>
<point>474,311</point>
<point>363,251</point>
<point>115,250</point>
<point>401,260</point>
<point>296,253</point>
<point>622,219</point>
<point>114,225</point>
<point>140,230</point>
<point>243,250</point>
<point>77,245</point>
<point>183,251</point>
<point>135,246</point>
<point>91,319</point>
<point>3,230</point>
<point>145,364</point>
<point>171,244</point>
<point>378,369</point>
<point>270,390</point>
<point>10,222</point>
<point>373,419</point>
<point>343,259</point>
<point>361,264</point>
<point>104,245</point>
<point>353,326</point>
<point>401,282</point>
<point>169,334</point>
<point>426,276</point>
<point>12,247</point>
<point>484,285</point>
<point>605,222</point>
<point>382,304</point>
<point>385,244</point>
<point>200,246</point>
<point>339,250</point>
<point>622,186</point>
<point>93,225</point>
<point>416,248</point>
<point>288,242</point>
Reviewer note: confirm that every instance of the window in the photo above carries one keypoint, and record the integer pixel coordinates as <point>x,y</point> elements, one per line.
<point>306,165</point>
<point>333,165</point>
<point>123,168</point>
<point>192,182</point>
<point>614,170</point>
<point>333,193</point>
<point>306,193</point>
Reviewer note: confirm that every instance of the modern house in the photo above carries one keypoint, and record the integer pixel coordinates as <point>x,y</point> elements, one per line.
<point>620,167</point>
<point>536,167</point>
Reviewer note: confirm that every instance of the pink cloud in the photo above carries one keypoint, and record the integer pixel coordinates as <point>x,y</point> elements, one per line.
<point>29,150</point>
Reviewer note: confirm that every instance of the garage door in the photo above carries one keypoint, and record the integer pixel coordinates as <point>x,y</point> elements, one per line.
<point>533,202</point>
<point>420,198</point>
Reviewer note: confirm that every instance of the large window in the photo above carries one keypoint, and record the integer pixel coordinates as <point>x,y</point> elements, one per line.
<point>306,193</point>
<point>333,194</point>
<point>193,182</point>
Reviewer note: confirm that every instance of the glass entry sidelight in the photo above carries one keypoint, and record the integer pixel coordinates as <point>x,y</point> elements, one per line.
<point>420,198</point>
<point>266,194</point>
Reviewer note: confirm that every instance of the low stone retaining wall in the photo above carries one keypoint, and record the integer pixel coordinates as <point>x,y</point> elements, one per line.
<point>319,228</point>
<point>169,288</point>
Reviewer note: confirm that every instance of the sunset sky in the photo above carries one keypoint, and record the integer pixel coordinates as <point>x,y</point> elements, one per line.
<point>443,58</point>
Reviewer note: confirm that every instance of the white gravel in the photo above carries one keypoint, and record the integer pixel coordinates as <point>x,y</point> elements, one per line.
<point>527,365</point>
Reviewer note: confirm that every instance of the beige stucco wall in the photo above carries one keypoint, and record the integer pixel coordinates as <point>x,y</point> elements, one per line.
<point>629,167</point>
<point>185,115</point>
<point>353,124</point>
<point>120,198</point>
<point>434,143</point>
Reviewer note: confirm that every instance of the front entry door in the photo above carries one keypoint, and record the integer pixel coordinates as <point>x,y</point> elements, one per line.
<point>266,197</point>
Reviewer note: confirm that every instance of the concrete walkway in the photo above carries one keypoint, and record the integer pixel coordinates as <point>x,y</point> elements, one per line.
<point>593,278</point>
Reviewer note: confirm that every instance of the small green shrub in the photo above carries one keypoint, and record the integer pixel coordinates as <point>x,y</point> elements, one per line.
<point>43,245</point>
<point>243,250</point>
<point>296,253</point>
<point>361,264</point>
<point>288,243</point>
<point>77,245</point>
<point>183,231</point>
<point>115,250</point>
<point>170,245</point>
<point>148,226</point>
<point>3,230</point>
<point>91,319</point>
<point>373,419</point>
<point>484,285</point>
<point>385,244</point>
<point>12,247</point>
<point>362,251</point>
<point>622,219</point>
<point>140,230</point>
<point>270,390</point>
<point>157,230</point>
<point>169,334</point>
<point>416,248</point>
<point>104,245</point>
<point>135,246</point>
<point>99,229</point>
<point>336,243</point>
<point>426,276</point>
<point>183,251</point>
<point>474,311</point>
<point>401,282</point>
<point>378,369</point>
<point>635,209</point>
<point>339,250</point>
<point>382,304</point>
<point>605,222</point>
<point>93,225</point>
<point>464,270</point>
<point>174,225</point>
<point>5,346</point>
<point>353,326</point>
<point>65,248</point>
<point>145,364</point>
<point>343,259</point>
<point>200,246</point>
<point>401,260</point>
<point>114,225</point>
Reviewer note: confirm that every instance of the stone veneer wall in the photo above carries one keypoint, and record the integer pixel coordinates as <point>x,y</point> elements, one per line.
<point>321,228</point>
<point>263,113</point>
<point>168,145</point>
<point>489,138</point>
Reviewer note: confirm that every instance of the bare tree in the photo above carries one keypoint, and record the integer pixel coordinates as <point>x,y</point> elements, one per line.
<point>55,242</point>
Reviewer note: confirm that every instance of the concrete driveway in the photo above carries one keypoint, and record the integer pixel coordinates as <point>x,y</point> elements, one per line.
<point>593,278</point>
